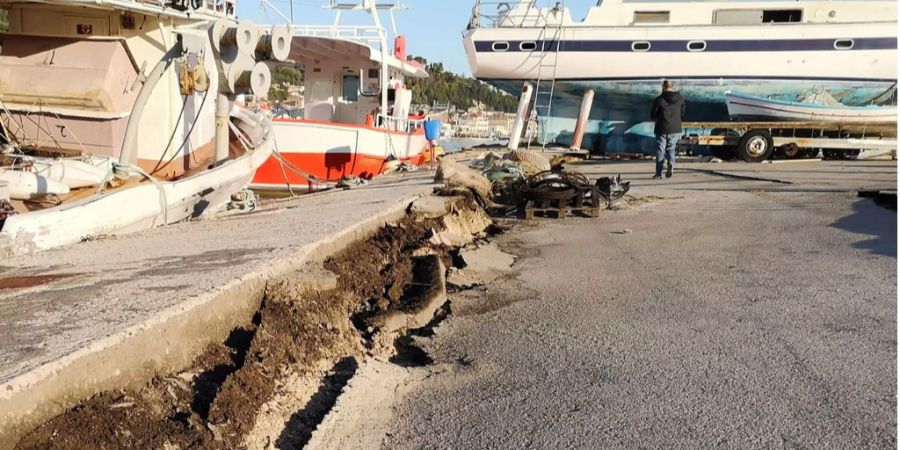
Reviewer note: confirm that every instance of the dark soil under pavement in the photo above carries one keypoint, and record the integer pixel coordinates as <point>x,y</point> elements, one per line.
<point>215,403</point>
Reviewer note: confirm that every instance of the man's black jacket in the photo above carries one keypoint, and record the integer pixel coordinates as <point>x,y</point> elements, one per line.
<point>667,111</point>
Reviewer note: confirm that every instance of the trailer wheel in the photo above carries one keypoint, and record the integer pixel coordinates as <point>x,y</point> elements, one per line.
<point>756,146</point>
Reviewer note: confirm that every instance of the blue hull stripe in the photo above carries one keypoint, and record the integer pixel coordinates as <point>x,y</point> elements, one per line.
<point>762,45</point>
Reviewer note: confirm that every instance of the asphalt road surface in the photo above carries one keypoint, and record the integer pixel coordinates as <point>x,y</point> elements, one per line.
<point>731,318</point>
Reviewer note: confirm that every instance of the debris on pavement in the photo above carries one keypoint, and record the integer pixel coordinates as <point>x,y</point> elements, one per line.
<point>613,189</point>
<point>530,162</point>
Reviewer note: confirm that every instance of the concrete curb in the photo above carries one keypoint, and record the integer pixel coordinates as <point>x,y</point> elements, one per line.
<point>167,343</point>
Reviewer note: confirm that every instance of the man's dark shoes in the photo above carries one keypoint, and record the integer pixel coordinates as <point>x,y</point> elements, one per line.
<point>657,177</point>
<point>669,172</point>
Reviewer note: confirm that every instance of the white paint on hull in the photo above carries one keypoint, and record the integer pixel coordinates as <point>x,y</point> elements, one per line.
<point>743,106</point>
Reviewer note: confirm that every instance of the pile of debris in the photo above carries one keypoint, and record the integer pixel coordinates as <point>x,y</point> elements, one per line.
<point>528,183</point>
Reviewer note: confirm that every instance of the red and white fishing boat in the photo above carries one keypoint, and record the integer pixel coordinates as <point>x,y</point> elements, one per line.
<point>356,120</point>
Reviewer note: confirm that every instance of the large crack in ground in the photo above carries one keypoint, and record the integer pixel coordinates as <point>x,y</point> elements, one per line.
<point>216,403</point>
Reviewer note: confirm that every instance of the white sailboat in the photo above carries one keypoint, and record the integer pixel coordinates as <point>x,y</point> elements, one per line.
<point>623,49</point>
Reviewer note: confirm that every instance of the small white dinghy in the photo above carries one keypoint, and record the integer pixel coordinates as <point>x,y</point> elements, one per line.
<point>815,107</point>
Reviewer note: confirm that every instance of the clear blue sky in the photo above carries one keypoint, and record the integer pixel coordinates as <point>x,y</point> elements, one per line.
<point>433,27</point>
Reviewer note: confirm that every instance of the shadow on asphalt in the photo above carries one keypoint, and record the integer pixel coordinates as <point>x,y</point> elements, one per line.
<point>872,220</point>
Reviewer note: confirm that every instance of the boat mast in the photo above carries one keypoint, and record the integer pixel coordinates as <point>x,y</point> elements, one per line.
<point>382,41</point>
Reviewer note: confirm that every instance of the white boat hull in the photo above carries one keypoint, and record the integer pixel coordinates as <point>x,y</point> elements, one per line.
<point>604,53</point>
<point>330,151</point>
<point>140,207</point>
<point>754,108</point>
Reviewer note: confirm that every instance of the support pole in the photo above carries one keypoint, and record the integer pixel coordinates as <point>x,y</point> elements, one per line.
<point>223,112</point>
<point>586,103</point>
<point>515,135</point>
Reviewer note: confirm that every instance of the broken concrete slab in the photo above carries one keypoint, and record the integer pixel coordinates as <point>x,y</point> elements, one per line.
<point>429,295</point>
<point>363,412</point>
<point>428,207</point>
<point>483,265</point>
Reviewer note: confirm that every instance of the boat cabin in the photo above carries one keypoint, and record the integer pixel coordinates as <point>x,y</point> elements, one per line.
<point>343,84</point>
<point>617,13</point>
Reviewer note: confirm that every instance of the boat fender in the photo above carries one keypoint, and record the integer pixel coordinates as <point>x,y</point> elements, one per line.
<point>400,47</point>
<point>30,186</point>
<point>72,173</point>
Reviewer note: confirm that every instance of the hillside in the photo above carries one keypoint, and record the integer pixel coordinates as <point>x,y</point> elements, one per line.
<point>447,87</point>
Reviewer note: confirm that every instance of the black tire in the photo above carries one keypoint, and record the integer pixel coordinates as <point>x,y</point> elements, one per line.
<point>756,146</point>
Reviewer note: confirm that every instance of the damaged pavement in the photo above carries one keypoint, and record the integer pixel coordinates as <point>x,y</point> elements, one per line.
<point>363,302</point>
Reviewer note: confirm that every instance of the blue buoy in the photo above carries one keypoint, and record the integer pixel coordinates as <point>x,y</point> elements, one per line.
<point>432,129</point>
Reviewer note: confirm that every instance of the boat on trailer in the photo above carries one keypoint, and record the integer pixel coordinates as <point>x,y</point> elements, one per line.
<point>118,104</point>
<point>749,107</point>
<point>623,49</point>
<point>356,121</point>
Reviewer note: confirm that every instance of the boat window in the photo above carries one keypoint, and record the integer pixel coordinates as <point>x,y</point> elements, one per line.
<point>782,15</point>
<point>754,16</point>
<point>651,17</point>
<point>843,44</point>
<point>737,16</point>
<point>351,88</point>
<point>374,74</point>
<point>696,46</point>
<point>500,46</point>
<point>528,46</point>
<point>640,46</point>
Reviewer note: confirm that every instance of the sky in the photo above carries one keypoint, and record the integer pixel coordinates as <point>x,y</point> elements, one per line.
<point>433,28</point>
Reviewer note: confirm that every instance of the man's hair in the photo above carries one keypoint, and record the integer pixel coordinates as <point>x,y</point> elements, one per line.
<point>668,85</point>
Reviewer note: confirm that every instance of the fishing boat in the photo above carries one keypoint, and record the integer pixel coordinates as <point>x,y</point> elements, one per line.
<point>356,121</point>
<point>623,49</point>
<point>817,107</point>
<point>113,118</point>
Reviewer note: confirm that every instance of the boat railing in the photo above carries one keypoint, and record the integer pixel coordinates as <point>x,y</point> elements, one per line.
<point>512,14</point>
<point>218,8</point>
<point>401,124</point>
<point>368,35</point>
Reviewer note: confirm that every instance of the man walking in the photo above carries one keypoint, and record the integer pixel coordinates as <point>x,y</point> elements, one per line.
<point>667,111</point>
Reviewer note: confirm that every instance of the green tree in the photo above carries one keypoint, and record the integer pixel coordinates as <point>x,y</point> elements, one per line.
<point>287,75</point>
<point>4,20</point>
<point>283,77</point>
<point>447,87</point>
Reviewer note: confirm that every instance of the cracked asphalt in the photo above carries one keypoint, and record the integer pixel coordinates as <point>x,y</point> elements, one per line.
<point>728,314</point>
